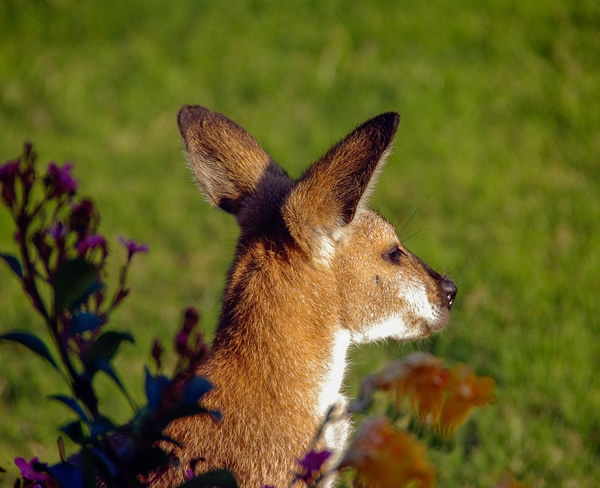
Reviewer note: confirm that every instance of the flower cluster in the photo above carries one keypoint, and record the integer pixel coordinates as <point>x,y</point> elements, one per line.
<point>441,398</point>
<point>387,457</point>
<point>60,265</point>
<point>189,346</point>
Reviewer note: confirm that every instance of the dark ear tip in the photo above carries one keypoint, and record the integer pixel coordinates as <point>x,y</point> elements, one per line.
<point>390,119</point>
<point>190,114</point>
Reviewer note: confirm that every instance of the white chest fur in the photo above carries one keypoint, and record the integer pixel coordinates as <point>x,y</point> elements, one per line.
<point>336,431</point>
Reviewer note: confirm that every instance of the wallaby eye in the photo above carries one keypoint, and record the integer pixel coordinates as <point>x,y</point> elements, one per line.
<point>394,255</point>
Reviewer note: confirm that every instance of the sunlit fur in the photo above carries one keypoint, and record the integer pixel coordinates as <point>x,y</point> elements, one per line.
<point>310,278</point>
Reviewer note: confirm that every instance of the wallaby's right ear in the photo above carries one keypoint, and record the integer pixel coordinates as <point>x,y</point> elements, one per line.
<point>336,187</point>
<point>227,162</point>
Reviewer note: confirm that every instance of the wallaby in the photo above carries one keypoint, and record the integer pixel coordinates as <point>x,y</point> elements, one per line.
<point>315,271</point>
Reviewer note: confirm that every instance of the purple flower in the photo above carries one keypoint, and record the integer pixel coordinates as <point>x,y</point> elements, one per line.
<point>190,320</point>
<point>91,242</point>
<point>61,180</point>
<point>83,218</point>
<point>157,351</point>
<point>313,463</point>
<point>132,246</point>
<point>29,470</point>
<point>57,231</point>
<point>181,342</point>
<point>8,171</point>
<point>8,175</point>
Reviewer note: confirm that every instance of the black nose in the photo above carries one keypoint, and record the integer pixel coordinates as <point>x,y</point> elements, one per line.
<point>448,290</point>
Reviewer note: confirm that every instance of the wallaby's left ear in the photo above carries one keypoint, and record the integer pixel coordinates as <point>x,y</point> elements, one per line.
<point>329,194</point>
<point>227,162</point>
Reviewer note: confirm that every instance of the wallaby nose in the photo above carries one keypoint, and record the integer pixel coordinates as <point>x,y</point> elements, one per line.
<point>449,290</point>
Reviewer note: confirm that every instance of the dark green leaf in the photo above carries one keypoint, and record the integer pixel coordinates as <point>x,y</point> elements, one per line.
<point>74,431</point>
<point>83,322</point>
<point>89,470</point>
<point>67,475</point>
<point>190,410</point>
<point>32,342</point>
<point>161,422</point>
<point>195,389</point>
<point>73,405</point>
<point>105,464</point>
<point>104,348</point>
<point>103,425</point>
<point>219,478</point>
<point>72,281</point>
<point>14,264</point>
<point>93,288</point>
<point>140,418</point>
<point>105,366</point>
<point>155,385</point>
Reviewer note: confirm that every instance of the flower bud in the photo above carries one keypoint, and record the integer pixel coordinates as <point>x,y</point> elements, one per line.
<point>83,218</point>
<point>190,319</point>
<point>59,181</point>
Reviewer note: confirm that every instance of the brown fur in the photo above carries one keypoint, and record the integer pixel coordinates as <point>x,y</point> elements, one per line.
<point>312,274</point>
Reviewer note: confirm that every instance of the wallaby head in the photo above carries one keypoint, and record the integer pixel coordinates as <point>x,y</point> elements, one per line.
<point>315,271</point>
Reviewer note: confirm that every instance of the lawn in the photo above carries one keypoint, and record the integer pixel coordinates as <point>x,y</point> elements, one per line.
<point>494,180</point>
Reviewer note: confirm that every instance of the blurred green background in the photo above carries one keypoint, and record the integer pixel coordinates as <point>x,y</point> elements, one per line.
<point>495,180</point>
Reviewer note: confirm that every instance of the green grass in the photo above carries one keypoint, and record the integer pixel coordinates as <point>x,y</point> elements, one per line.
<point>495,179</point>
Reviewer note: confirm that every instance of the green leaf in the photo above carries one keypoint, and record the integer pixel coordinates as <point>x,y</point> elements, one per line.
<point>195,389</point>
<point>73,280</point>
<point>74,431</point>
<point>89,469</point>
<point>191,410</point>
<point>103,462</point>
<point>103,425</point>
<point>14,264</point>
<point>220,477</point>
<point>32,342</point>
<point>105,366</point>
<point>155,386</point>
<point>83,322</point>
<point>73,405</point>
<point>96,285</point>
<point>67,475</point>
<point>104,348</point>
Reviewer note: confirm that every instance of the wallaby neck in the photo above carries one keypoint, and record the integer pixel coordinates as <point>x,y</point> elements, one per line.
<point>283,332</point>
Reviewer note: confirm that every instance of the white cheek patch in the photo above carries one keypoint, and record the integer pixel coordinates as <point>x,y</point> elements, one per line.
<point>394,326</point>
<point>419,303</point>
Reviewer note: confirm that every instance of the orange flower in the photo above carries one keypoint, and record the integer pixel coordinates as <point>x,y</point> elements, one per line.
<point>428,384</point>
<point>467,391</point>
<point>385,457</point>
<point>439,397</point>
